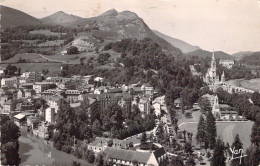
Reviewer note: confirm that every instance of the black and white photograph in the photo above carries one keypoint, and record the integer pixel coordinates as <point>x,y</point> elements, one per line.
<point>130,82</point>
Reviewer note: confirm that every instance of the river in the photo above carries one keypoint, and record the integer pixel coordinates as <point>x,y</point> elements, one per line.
<point>33,151</point>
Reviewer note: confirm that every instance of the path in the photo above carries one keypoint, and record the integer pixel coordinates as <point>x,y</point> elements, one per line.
<point>50,59</point>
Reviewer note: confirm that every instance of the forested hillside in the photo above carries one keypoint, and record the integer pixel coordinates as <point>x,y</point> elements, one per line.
<point>252,59</point>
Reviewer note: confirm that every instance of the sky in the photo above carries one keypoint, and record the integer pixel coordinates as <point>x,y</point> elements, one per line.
<point>223,25</point>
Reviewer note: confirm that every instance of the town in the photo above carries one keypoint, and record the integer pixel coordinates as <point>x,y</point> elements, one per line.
<point>108,90</point>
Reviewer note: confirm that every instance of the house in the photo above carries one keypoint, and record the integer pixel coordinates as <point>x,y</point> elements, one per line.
<point>20,93</point>
<point>24,105</point>
<point>98,79</point>
<point>21,118</point>
<point>29,93</point>
<point>9,82</point>
<point>49,93</point>
<point>31,77</point>
<point>72,95</point>
<point>122,144</point>
<point>40,87</point>
<point>177,103</point>
<point>129,157</point>
<point>33,122</point>
<point>100,144</point>
<point>3,99</point>
<point>157,108</point>
<point>7,106</point>
<point>228,63</point>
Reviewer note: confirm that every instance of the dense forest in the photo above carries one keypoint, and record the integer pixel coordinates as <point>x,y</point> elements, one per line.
<point>253,59</point>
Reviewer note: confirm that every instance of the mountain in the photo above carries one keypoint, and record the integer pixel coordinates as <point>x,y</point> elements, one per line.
<point>60,18</point>
<point>252,58</point>
<point>185,47</point>
<point>12,17</point>
<point>113,26</point>
<point>238,56</point>
<point>204,54</point>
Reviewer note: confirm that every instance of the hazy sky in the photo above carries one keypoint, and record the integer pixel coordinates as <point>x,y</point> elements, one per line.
<point>227,25</point>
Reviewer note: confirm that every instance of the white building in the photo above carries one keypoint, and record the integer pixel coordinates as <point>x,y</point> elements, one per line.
<point>228,63</point>
<point>49,114</point>
<point>9,82</point>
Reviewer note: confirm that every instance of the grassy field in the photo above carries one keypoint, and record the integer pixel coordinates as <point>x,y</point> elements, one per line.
<point>253,84</point>
<point>51,43</point>
<point>226,131</point>
<point>33,57</point>
<point>45,32</point>
<point>54,68</point>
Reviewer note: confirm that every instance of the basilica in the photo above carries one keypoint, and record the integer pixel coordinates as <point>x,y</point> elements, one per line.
<point>211,78</point>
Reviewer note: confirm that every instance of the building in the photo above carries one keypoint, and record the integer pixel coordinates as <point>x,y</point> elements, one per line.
<point>20,93</point>
<point>100,144</point>
<point>72,95</point>
<point>228,63</point>
<point>7,106</point>
<point>49,114</point>
<point>157,108</point>
<point>144,106</point>
<point>147,90</point>
<point>25,105</point>
<point>21,118</point>
<point>32,122</point>
<point>212,79</point>
<point>40,87</point>
<point>9,82</point>
<point>129,157</point>
<point>211,75</point>
<point>49,93</point>
<point>44,129</point>
<point>54,102</point>
<point>31,77</point>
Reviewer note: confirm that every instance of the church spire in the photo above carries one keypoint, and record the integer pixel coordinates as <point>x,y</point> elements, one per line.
<point>223,77</point>
<point>213,56</point>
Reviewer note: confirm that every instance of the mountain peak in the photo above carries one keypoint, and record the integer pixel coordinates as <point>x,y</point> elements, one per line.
<point>111,12</point>
<point>60,17</point>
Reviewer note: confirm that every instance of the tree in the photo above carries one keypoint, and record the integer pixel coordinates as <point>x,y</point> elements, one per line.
<point>201,130</point>
<point>75,163</point>
<point>143,138</point>
<point>91,156</point>
<point>237,144</point>
<point>253,156</point>
<point>255,134</point>
<point>190,162</point>
<point>177,161</point>
<point>9,142</point>
<point>211,129</point>
<point>188,148</point>
<point>99,160</point>
<point>204,104</point>
<point>218,157</point>
<point>72,50</point>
